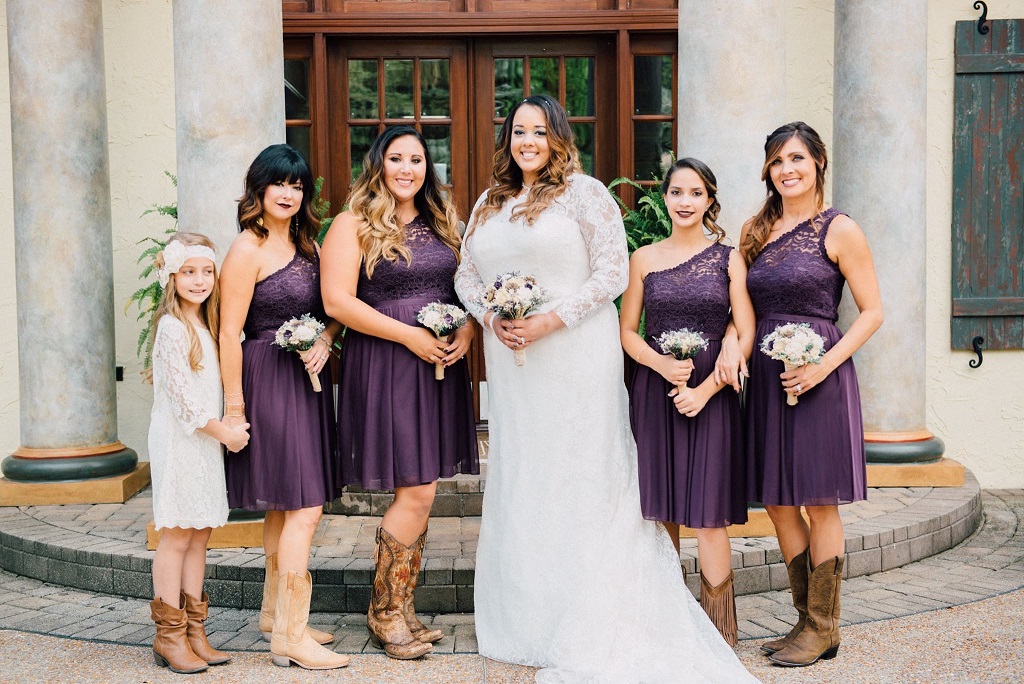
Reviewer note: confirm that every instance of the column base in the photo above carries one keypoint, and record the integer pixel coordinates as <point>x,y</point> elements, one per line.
<point>69,465</point>
<point>890,448</point>
<point>117,489</point>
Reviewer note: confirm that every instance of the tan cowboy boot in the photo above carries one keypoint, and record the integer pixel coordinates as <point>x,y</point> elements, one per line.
<point>290,641</point>
<point>196,611</point>
<point>269,598</point>
<point>820,638</point>
<point>797,569</point>
<point>170,646</point>
<point>720,605</point>
<point>427,636</point>
<point>385,618</point>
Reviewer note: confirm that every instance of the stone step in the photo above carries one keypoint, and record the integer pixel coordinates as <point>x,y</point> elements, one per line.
<point>103,548</point>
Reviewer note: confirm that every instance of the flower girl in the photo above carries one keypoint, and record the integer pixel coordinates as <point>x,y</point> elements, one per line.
<point>185,437</point>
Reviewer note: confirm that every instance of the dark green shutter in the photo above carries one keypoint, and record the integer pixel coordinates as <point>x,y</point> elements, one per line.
<point>988,185</point>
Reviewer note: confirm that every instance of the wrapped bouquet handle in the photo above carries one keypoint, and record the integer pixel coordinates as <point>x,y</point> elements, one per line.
<point>314,378</point>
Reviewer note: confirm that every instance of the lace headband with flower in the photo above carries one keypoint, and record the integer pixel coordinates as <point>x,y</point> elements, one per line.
<point>176,253</point>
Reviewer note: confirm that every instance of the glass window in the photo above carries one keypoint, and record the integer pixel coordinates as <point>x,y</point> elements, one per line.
<point>298,137</point>
<point>362,88</point>
<point>361,139</point>
<point>296,89</point>
<point>508,85</point>
<point>579,86</point>
<point>652,149</point>
<point>398,75</point>
<point>584,135</point>
<point>435,98</point>
<point>544,76</point>
<point>439,144</point>
<point>652,84</point>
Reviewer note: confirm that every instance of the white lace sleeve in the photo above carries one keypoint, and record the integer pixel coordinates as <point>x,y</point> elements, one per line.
<point>170,363</point>
<point>592,206</point>
<point>468,283</point>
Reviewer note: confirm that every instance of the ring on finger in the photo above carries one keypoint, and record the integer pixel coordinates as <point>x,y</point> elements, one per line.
<point>799,388</point>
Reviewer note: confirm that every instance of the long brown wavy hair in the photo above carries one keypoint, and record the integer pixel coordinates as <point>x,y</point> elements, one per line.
<point>553,179</point>
<point>771,211</point>
<point>280,164</point>
<point>707,177</point>
<point>209,311</point>
<point>380,234</point>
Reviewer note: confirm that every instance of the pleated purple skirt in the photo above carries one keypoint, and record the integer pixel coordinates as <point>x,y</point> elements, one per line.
<point>811,454</point>
<point>691,470</point>
<point>289,462</point>
<point>397,425</point>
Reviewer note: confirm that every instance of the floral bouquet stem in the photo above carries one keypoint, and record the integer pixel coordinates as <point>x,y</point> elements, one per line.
<point>299,335</point>
<point>512,296</point>
<point>682,344</point>
<point>791,399</point>
<point>439,366</point>
<point>443,320</point>
<point>314,378</point>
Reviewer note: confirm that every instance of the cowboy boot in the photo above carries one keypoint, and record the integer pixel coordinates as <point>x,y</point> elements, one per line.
<point>170,646</point>
<point>720,605</point>
<point>196,611</point>
<point>290,641</point>
<point>427,636</point>
<point>820,638</point>
<point>269,599</point>
<point>797,569</point>
<point>385,619</point>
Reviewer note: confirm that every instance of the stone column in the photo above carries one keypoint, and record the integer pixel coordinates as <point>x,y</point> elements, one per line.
<point>229,102</point>
<point>63,246</point>
<point>732,94</point>
<point>879,169</point>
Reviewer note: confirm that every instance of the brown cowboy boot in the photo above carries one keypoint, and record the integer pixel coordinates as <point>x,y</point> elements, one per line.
<point>820,638</point>
<point>269,599</point>
<point>170,646</point>
<point>720,605</point>
<point>427,636</point>
<point>290,641</point>
<point>385,619</point>
<point>797,569</point>
<point>196,611</point>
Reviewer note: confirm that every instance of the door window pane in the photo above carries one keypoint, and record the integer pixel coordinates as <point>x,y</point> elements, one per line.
<point>439,144</point>
<point>508,85</point>
<point>584,135</point>
<point>652,84</point>
<point>398,88</point>
<point>579,86</point>
<point>296,89</point>
<point>298,137</point>
<point>652,149</point>
<point>361,139</point>
<point>544,76</point>
<point>434,88</point>
<point>362,88</point>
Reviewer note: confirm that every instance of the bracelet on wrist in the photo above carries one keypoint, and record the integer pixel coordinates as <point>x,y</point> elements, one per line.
<point>637,359</point>
<point>326,340</point>
<point>232,394</point>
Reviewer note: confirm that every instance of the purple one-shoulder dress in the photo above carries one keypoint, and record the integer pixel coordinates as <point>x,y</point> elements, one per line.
<point>691,470</point>
<point>811,454</point>
<point>289,462</point>
<point>397,425</point>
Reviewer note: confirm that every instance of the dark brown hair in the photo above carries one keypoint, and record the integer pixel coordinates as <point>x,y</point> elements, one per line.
<point>707,177</point>
<point>280,164</point>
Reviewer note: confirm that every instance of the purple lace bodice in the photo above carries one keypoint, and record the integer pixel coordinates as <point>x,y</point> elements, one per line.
<point>694,295</point>
<point>430,275</point>
<point>285,294</point>
<point>793,274</point>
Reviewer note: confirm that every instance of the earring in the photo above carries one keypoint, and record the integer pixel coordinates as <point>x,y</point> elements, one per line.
<point>259,221</point>
<point>295,223</point>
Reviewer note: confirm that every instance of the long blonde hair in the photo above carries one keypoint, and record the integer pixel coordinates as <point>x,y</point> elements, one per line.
<point>553,179</point>
<point>209,311</point>
<point>771,211</point>
<point>380,234</point>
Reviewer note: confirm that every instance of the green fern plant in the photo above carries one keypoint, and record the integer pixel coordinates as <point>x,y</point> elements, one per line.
<point>649,221</point>
<point>321,208</point>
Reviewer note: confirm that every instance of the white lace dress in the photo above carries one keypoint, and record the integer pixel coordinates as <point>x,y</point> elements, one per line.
<point>569,575</point>
<point>187,466</point>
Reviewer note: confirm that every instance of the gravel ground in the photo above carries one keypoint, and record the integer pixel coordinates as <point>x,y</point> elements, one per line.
<point>981,642</point>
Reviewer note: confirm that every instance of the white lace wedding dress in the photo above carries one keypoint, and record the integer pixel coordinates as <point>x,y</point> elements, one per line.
<point>569,575</point>
<point>189,488</point>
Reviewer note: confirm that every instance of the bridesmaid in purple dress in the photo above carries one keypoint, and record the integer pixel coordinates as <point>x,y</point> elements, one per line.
<point>270,275</point>
<point>394,251</point>
<point>691,461</point>
<point>799,255</point>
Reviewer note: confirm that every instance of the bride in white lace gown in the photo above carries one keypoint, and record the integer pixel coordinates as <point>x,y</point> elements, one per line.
<point>569,575</point>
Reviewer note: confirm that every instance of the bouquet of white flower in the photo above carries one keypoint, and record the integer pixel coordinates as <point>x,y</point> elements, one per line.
<point>513,295</point>
<point>795,344</point>
<point>443,320</point>
<point>299,335</point>
<point>682,344</point>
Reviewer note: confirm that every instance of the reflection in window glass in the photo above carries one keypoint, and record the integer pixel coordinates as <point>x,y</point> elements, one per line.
<point>508,85</point>
<point>434,88</point>
<point>652,149</point>
<point>652,84</point>
<point>362,88</point>
<point>544,76</point>
<point>579,86</point>
<point>298,137</point>
<point>296,89</point>
<point>439,144</point>
<point>361,139</point>
<point>398,88</point>
<point>584,135</point>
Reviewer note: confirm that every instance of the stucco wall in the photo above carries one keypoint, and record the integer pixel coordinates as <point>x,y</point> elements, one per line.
<point>978,413</point>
